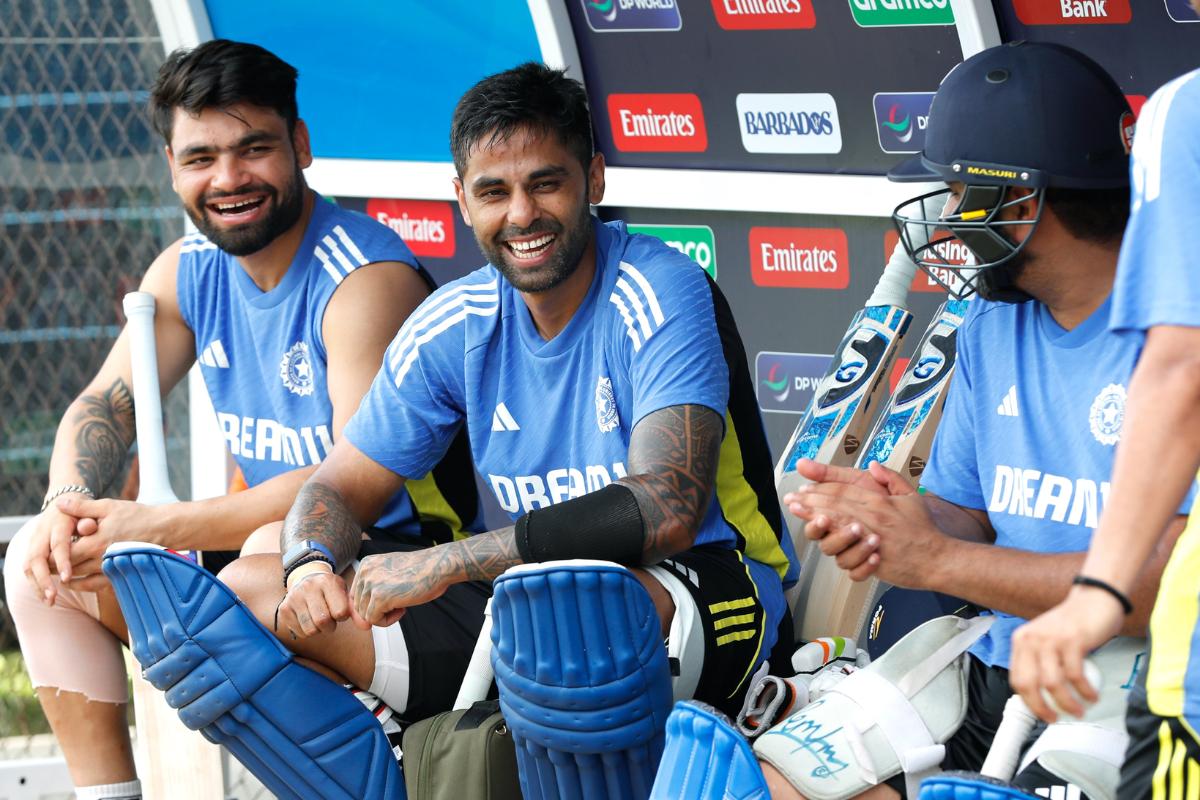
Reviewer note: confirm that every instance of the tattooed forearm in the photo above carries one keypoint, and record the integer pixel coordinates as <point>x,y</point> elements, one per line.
<point>320,514</point>
<point>105,431</point>
<point>484,557</point>
<point>673,456</point>
<point>411,578</point>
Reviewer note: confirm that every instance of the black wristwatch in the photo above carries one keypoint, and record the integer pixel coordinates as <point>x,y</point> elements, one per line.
<point>303,553</point>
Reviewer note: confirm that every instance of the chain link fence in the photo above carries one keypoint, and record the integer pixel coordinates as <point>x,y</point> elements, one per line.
<point>85,206</point>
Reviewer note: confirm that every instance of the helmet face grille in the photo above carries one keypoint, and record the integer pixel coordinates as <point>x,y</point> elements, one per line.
<point>958,245</point>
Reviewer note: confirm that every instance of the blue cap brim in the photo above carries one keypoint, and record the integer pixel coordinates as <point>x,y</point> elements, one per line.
<point>913,170</point>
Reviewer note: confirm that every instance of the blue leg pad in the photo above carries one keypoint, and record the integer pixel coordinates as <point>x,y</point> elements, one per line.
<point>706,758</point>
<point>969,786</point>
<point>299,733</point>
<point>583,679</point>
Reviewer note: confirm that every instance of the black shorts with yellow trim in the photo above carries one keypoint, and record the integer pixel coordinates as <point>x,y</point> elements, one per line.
<point>737,634</point>
<point>1162,761</point>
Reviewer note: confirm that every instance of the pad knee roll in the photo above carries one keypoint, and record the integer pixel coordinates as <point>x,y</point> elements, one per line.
<point>583,678</point>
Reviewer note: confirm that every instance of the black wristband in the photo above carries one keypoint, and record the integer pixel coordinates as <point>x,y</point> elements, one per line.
<point>606,524</point>
<point>1096,583</point>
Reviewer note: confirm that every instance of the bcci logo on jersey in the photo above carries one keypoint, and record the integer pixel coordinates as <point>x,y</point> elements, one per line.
<point>606,405</point>
<point>295,369</point>
<point>1107,414</point>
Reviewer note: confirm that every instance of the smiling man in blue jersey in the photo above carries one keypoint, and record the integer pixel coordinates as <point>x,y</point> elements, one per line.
<point>288,303</point>
<point>1019,469</point>
<point>609,406</point>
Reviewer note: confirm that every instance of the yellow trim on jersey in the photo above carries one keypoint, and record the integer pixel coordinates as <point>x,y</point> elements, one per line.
<point>431,504</point>
<point>1173,622</point>
<point>739,504</point>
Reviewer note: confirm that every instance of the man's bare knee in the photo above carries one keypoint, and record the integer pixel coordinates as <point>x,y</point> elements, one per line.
<point>663,603</point>
<point>258,582</point>
<point>263,540</point>
<point>779,787</point>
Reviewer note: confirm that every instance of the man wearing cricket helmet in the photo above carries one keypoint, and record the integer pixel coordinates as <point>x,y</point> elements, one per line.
<point>1032,141</point>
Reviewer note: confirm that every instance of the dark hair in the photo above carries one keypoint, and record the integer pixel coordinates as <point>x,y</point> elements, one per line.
<point>220,74</point>
<point>1097,215</point>
<point>528,96</point>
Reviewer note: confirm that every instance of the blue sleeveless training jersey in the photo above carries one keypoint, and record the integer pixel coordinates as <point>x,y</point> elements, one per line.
<point>551,420</point>
<point>1031,423</point>
<point>1155,287</point>
<point>263,355</point>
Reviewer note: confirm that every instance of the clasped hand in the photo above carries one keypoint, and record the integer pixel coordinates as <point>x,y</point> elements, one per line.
<point>872,522</point>
<point>72,535</point>
<point>383,587</point>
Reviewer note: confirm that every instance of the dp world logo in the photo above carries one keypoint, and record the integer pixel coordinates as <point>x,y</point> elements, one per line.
<point>632,15</point>
<point>900,120</point>
<point>786,381</point>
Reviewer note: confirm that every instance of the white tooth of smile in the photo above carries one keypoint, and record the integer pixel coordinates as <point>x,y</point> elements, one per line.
<point>531,245</point>
<point>231,206</point>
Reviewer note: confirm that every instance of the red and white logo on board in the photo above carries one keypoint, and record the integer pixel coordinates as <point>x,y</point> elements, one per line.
<point>1127,124</point>
<point>1073,12</point>
<point>657,123</point>
<point>950,250</point>
<point>751,15</point>
<point>426,226</point>
<point>804,258</point>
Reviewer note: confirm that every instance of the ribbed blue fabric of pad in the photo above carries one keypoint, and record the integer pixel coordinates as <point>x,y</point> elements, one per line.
<point>583,680</point>
<point>299,733</point>
<point>969,786</point>
<point>706,758</point>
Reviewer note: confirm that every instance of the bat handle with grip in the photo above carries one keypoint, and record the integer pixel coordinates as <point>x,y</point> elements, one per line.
<point>155,488</point>
<point>477,681</point>
<point>898,274</point>
<point>1005,752</point>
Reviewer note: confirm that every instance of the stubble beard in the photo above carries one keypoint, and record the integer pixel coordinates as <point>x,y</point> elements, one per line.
<point>285,211</point>
<point>570,246</point>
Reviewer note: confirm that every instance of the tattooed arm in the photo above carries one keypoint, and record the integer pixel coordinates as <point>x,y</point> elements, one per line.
<point>97,429</point>
<point>94,438</point>
<point>673,456</point>
<point>346,493</point>
<point>673,465</point>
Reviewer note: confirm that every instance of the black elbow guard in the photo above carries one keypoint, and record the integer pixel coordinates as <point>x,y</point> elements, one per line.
<point>606,525</point>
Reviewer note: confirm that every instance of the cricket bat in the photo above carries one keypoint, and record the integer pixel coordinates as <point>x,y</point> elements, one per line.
<point>477,681</point>
<point>900,440</point>
<point>174,762</point>
<point>838,419</point>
